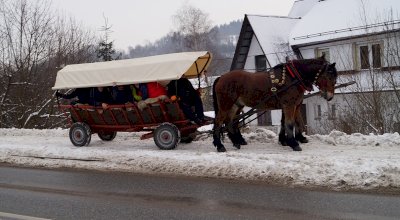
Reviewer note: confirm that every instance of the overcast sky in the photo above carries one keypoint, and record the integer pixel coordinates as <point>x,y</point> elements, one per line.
<point>142,21</point>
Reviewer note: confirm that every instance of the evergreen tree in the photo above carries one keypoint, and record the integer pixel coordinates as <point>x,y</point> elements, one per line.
<point>105,49</point>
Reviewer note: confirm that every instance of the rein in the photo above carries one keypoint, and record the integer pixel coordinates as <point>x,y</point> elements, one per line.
<point>254,110</point>
<point>295,74</point>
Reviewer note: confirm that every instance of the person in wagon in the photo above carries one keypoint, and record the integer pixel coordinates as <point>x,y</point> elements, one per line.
<point>136,92</point>
<point>100,96</point>
<point>80,96</point>
<point>188,99</point>
<point>89,96</point>
<point>121,94</point>
<point>153,92</point>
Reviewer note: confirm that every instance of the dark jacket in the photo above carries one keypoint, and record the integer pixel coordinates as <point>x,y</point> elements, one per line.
<point>83,95</point>
<point>121,96</point>
<point>183,89</point>
<point>143,91</point>
<point>97,97</point>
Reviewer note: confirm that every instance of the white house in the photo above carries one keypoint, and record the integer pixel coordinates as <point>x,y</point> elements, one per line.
<point>361,36</point>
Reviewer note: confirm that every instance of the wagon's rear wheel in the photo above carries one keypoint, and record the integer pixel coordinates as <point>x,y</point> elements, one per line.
<point>167,136</point>
<point>107,136</point>
<point>80,134</point>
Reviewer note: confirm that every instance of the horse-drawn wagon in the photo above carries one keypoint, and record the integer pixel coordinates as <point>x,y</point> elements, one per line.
<point>163,120</point>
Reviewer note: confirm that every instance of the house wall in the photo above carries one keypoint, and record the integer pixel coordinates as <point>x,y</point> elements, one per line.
<point>346,52</point>
<point>344,104</point>
<point>255,49</point>
<point>346,55</point>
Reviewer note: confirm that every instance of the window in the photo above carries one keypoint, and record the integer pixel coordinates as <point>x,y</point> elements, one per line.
<point>332,114</point>
<point>324,51</point>
<point>317,110</point>
<point>364,60</point>
<point>368,54</point>
<point>261,63</point>
<point>376,56</point>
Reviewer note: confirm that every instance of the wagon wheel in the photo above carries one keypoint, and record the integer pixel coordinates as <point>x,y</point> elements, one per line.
<point>107,136</point>
<point>167,136</point>
<point>80,134</point>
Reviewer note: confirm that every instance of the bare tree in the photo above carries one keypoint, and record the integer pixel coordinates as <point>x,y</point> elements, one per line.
<point>195,25</point>
<point>34,42</point>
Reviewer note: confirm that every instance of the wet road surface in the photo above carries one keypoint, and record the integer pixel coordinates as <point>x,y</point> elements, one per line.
<point>65,194</point>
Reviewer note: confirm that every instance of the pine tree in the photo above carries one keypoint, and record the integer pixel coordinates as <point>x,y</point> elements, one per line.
<point>105,50</point>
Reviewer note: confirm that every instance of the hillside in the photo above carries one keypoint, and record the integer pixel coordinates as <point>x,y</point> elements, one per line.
<point>223,39</point>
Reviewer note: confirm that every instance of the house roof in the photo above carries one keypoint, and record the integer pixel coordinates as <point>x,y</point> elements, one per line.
<point>336,19</point>
<point>301,7</point>
<point>271,33</point>
<point>243,45</point>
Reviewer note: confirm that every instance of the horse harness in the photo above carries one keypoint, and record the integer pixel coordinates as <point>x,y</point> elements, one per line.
<point>295,75</point>
<point>274,91</point>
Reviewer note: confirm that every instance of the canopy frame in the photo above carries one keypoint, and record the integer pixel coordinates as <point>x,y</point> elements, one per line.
<point>160,68</point>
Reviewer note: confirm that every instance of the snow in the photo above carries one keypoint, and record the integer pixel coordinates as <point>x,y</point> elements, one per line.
<point>272,33</point>
<point>336,161</point>
<point>330,16</point>
<point>301,8</point>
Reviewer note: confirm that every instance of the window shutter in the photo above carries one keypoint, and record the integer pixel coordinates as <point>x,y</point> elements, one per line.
<point>355,55</point>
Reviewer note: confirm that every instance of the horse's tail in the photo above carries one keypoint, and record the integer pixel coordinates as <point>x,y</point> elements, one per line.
<point>214,94</point>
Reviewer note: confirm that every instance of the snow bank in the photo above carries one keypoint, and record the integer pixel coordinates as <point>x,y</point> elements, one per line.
<point>336,160</point>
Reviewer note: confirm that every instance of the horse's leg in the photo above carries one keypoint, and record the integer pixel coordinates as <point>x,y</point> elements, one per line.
<point>219,118</point>
<point>232,137</point>
<point>233,128</point>
<point>300,127</point>
<point>239,136</point>
<point>289,112</point>
<point>282,134</point>
<point>217,131</point>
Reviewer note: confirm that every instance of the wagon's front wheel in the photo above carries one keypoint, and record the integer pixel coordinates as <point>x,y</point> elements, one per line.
<point>167,136</point>
<point>80,134</point>
<point>107,136</point>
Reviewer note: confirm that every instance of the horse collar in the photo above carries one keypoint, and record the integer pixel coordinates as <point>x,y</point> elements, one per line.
<point>295,74</point>
<point>275,82</point>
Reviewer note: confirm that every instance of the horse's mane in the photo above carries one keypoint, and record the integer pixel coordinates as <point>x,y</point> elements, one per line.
<point>279,66</point>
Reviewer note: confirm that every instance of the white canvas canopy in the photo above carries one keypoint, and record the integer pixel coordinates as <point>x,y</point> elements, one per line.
<point>159,68</point>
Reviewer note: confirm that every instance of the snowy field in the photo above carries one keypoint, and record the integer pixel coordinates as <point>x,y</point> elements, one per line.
<point>337,161</point>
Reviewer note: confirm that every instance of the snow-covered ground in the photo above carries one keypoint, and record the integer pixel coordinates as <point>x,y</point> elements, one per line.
<point>336,160</point>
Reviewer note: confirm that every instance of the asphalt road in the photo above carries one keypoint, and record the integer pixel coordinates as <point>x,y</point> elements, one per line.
<point>65,194</point>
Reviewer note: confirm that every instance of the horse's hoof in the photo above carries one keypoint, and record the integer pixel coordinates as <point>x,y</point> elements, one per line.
<point>283,143</point>
<point>237,146</point>
<point>217,144</point>
<point>297,148</point>
<point>221,149</point>
<point>243,142</point>
<point>303,140</point>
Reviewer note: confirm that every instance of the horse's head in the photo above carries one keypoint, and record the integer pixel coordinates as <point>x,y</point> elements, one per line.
<point>326,81</point>
<point>319,72</point>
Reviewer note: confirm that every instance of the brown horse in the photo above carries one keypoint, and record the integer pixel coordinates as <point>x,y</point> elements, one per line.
<point>282,87</point>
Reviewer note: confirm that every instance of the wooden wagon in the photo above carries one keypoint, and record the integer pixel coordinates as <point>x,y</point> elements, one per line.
<point>164,121</point>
